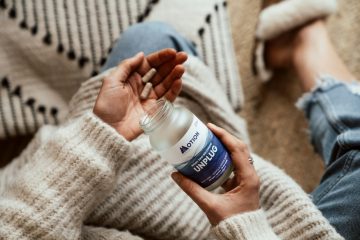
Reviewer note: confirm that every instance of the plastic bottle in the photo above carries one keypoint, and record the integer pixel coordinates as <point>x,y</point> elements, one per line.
<point>185,142</point>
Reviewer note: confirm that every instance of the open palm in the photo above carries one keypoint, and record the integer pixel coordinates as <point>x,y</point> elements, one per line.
<point>118,103</point>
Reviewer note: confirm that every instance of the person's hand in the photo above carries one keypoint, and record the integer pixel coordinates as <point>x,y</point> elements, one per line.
<point>118,103</point>
<point>242,191</point>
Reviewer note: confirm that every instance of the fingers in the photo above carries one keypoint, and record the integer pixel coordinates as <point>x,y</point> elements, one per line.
<point>166,84</point>
<point>158,58</point>
<point>174,90</point>
<point>238,150</point>
<point>165,69</point>
<point>199,195</point>
<point>125,69</point>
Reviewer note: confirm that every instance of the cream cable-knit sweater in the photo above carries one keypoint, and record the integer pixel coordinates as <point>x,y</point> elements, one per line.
<point>83,180</point>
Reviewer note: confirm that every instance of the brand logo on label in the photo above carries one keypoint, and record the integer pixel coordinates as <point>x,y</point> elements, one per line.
<point>183,149</point>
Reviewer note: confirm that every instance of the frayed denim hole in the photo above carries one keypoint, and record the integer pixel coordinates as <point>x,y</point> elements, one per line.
<point>323,83</point>
<point>354,88</point>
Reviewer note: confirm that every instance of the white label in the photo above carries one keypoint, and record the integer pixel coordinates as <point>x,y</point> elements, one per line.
<point>199,155</point>
<point>189,145</point>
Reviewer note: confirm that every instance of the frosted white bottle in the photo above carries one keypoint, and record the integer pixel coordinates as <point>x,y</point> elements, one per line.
<point>185,142</point>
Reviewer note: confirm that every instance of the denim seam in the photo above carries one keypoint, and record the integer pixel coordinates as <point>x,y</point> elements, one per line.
<point>345,169</point>
<point>342,141</point>
<point>330,113</point>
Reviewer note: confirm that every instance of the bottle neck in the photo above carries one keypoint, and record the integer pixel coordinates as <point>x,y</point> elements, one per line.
<point>155,115</point>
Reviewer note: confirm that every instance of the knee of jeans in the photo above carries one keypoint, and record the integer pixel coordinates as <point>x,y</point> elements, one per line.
<point>151,31</point>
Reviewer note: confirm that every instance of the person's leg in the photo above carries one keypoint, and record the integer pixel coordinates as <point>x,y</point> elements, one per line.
<point>147,37</point>
<point>332,105</point>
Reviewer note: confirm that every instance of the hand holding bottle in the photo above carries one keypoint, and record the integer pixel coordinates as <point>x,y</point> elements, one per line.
<point>242,190</point>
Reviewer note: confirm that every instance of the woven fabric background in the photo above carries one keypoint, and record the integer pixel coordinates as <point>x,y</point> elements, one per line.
<point>48,47</point>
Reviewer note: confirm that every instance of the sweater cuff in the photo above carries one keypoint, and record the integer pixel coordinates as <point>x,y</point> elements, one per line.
<point>95,138</point>
<point>86,147</point>
<point>250,225</point>
<point>81,160</point>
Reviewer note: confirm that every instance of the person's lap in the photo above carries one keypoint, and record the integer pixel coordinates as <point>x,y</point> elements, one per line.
<point>334,116</point>
<point>147,37</point>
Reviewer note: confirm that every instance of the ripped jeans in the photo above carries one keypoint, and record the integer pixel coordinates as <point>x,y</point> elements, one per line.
<point>333,110</point>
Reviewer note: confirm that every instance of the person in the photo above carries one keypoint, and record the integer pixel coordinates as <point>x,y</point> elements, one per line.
<point>96,176</point>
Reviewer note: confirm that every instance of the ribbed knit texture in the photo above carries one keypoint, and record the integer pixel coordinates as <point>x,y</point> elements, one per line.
<point>100,233</point>
<point>83,180</point>
<point>245,226</point>
<point>63,182</point>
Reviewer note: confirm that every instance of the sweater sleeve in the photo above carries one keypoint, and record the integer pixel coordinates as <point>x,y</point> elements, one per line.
<point>8,172</point>
<point>96,233</point>
<point>250,225</point>
<point>68,175</point>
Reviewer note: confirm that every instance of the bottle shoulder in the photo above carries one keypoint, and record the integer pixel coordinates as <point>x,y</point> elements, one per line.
<point>172,130</point>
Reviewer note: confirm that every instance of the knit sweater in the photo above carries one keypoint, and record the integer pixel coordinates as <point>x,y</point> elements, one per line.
<point>82,180</point>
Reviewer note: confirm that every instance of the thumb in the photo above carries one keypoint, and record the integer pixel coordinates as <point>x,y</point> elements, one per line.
<point>199,195</point>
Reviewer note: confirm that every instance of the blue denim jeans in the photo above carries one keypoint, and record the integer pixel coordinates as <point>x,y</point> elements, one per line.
<point>147,37</point>
<point>333,110</point>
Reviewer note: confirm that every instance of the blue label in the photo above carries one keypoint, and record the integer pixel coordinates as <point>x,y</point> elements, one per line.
<point>209,163</point>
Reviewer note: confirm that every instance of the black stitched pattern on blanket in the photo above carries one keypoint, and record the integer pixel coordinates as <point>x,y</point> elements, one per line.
<point>89,19</point>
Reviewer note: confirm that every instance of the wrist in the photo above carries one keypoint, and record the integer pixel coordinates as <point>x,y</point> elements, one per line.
<point>127,132</point>
<point>121,127</point>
